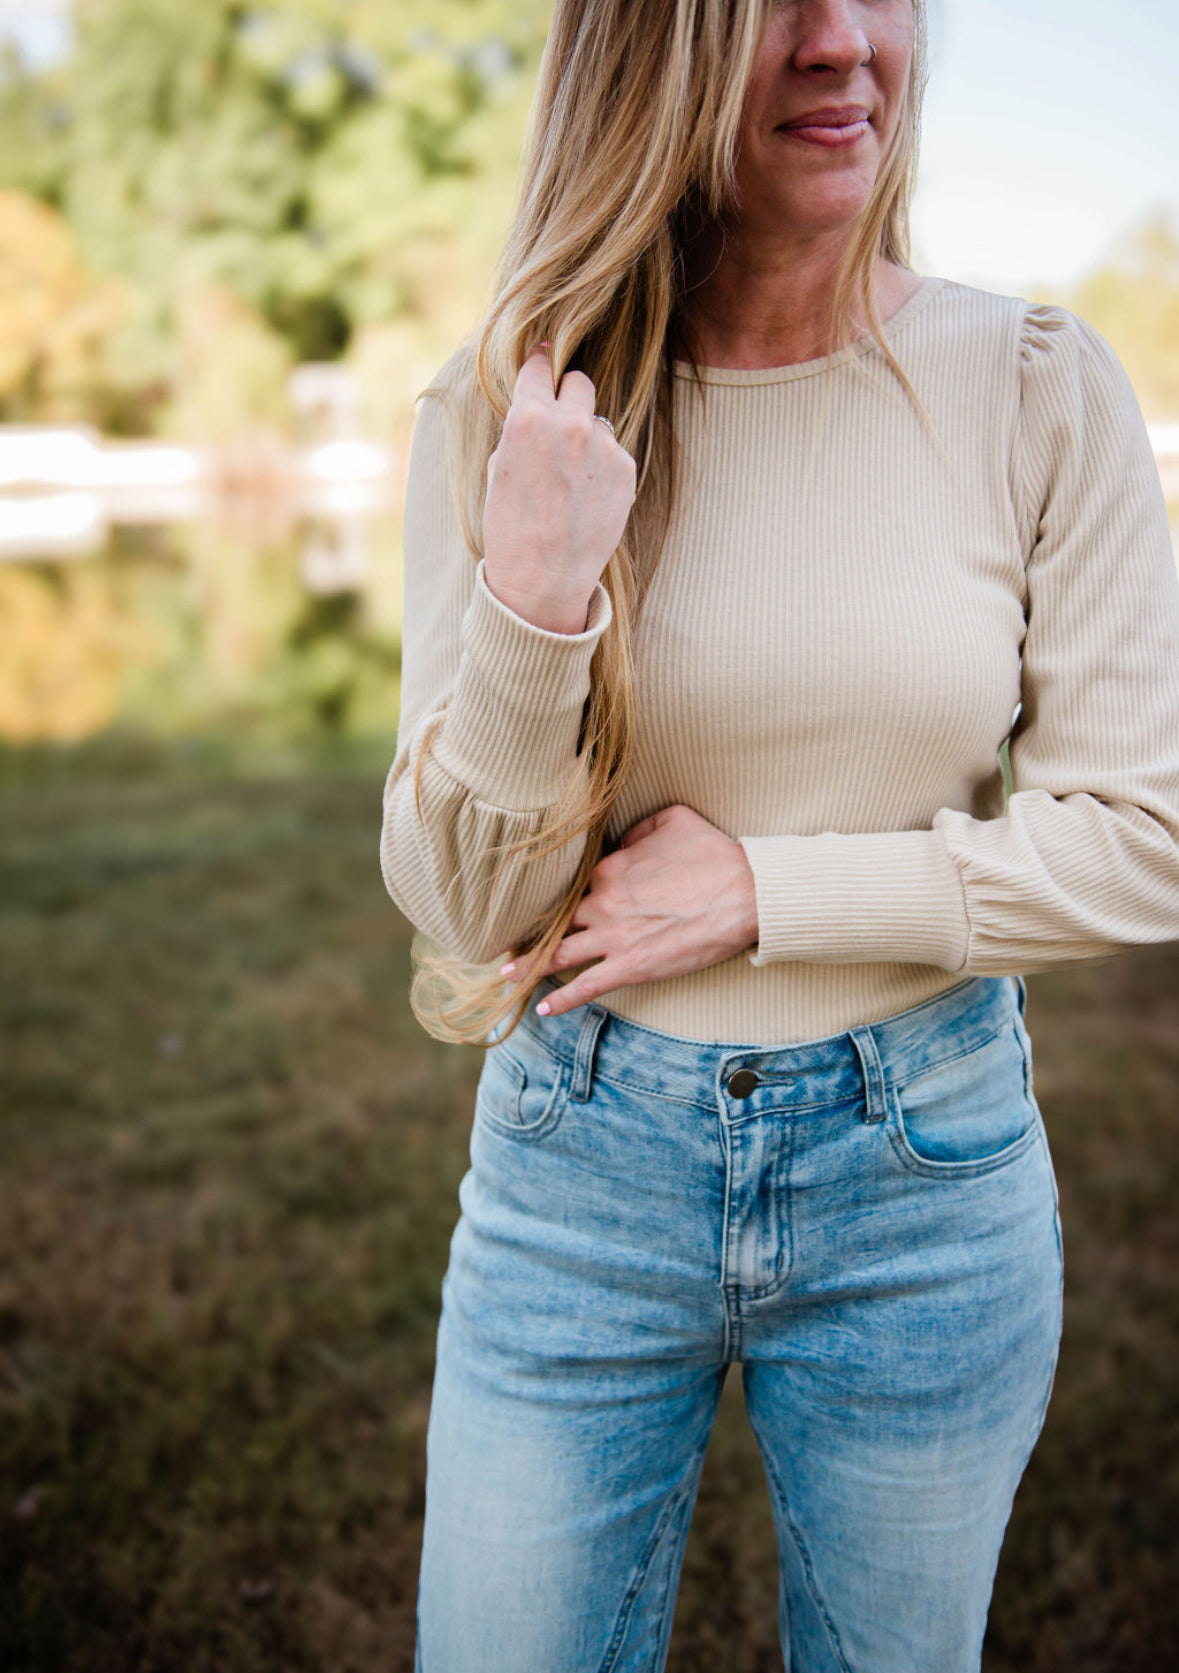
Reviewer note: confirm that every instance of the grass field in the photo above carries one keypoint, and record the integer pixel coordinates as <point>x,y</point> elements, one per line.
<point>230,1164</point>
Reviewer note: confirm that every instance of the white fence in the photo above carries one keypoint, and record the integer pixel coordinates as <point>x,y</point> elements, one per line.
<point>61,489</point>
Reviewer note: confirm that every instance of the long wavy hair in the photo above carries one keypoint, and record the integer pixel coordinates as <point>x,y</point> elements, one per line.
<point>630,154</point>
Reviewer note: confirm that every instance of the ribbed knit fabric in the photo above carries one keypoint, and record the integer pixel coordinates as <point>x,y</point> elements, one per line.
<point>848,612</point>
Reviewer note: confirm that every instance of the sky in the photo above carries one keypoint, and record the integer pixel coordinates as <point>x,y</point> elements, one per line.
<point>41,27</point>
<point>1050,130</point>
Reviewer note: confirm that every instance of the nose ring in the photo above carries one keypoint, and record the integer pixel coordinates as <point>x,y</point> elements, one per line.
<point>872,59</point>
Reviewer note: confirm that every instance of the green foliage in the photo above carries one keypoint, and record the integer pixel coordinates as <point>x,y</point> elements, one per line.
<point>294,154</point>
<point>1133,300</point>
<point>34,128</point>
<point>204,631</point>
<point>54,316</point>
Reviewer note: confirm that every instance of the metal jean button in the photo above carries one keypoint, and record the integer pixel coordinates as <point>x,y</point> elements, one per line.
<point>742,1083</point>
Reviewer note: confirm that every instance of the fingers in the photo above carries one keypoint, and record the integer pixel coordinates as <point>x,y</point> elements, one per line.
<point>572,951</point>
<point>577,394</point>
<point>583,913</point>
<point>534,382</point>
<point>566,955</point>
<point>522,969</point>
<point>678,817</point>
<point>639,831</point>
<point>591,984</point>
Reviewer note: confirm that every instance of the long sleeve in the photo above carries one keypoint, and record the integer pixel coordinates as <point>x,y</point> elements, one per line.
<point>1084,859</point>
<point>504,700</point>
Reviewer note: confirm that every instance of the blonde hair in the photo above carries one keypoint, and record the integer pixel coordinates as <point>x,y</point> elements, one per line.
<point>632,143</point>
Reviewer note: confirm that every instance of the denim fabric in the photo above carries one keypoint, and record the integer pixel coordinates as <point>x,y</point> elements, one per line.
<point>871,1232</point>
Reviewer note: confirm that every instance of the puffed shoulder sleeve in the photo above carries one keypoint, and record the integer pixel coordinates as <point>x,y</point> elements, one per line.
<point>499,703</point>
<point>1084,860</point>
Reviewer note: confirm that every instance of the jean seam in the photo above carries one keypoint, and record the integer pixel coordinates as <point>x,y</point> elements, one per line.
<point>730,1297</point>
<point>924,1168</point>
<point>1059,1237</point>
<point>1050,1383</point>
<point>530,1132</point>
<point>784,1252</point>
<point>933,999</point>
<point>736,1047</point>
<point>820,1107</point>
<point>1042,1418</point>
<point>1056,1221</point>
<point>643,1567</point>
<point>898,1084</point>
<point>662,1630</point>
<point>807,1566</point>
<point>652,1091</point>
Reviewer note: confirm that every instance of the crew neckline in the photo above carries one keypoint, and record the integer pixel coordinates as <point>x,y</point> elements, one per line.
<point>908,310</point>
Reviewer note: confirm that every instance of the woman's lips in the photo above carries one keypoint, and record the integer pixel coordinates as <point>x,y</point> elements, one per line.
<point>821,129</point>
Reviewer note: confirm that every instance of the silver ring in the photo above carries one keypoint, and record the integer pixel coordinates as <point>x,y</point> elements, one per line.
<point>872,50</point>
<point>600,418</point>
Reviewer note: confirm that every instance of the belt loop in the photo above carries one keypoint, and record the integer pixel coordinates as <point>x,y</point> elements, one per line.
<point>865,1043</point>
<point>583,1057</point>
<point>1021,995</point>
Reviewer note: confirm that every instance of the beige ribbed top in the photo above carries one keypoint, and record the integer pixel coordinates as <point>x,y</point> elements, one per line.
<point>846,616</point>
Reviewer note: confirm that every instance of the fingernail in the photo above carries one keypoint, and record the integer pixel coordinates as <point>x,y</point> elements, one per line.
<point>506,969</point>
<point>544,1008</point>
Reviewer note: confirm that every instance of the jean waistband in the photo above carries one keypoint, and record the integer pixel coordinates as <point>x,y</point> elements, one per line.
<point>857,1064</point>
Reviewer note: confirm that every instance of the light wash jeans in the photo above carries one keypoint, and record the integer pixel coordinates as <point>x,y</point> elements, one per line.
<point>868,1224</point>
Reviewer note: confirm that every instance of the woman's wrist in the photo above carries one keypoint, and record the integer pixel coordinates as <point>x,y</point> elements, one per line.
<point>537,601</point>
<point>746,927</point>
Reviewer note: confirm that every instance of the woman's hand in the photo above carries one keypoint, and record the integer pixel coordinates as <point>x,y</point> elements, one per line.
<point>559,492</point>
<point>677,896</point>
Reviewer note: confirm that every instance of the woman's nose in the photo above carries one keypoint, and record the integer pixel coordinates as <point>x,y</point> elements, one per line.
<point>828,35</point>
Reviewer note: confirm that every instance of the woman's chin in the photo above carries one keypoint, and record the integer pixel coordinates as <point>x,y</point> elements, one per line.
<point>829,217</point>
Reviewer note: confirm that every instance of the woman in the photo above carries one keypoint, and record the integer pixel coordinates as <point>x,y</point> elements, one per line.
<point>715,720</point>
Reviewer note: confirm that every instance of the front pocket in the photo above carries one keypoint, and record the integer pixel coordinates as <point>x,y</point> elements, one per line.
<point>522,1096</point>
<point>969,1114</point>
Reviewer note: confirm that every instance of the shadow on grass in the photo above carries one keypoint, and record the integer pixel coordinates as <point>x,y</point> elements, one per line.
<point>230,1171</point>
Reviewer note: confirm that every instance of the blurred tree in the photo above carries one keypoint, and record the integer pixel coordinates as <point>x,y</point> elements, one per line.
<point>241,387</point>
<point>69,642</point>
<point>1133,300</point>
<point>34,121</point>
<point>54,316</point>
<point>294,154</point>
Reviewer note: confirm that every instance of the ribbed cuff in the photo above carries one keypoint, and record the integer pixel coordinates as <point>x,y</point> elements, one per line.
<point>512,723</point>
<point>878,897</point>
